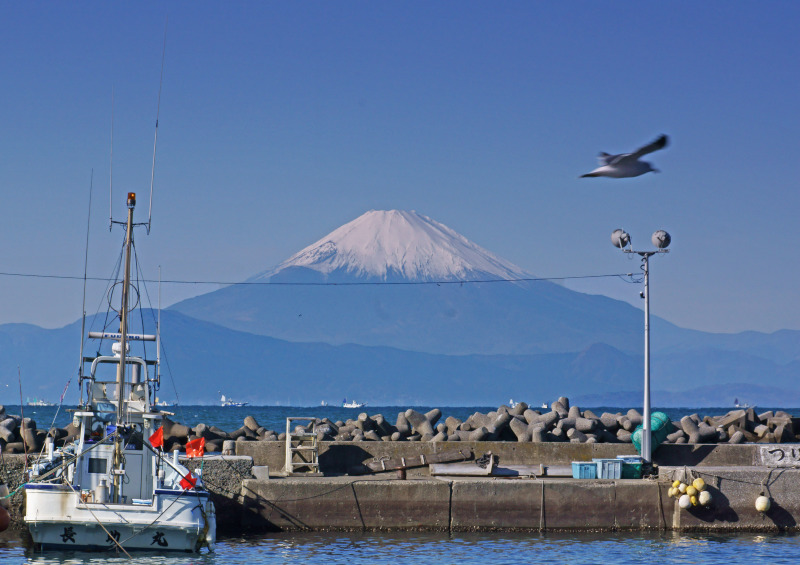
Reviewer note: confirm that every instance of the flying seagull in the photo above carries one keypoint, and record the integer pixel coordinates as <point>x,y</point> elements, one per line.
<point>627,164</point>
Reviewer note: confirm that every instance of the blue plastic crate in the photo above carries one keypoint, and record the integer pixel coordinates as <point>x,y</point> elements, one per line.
<point>608,468</point>
<point>584,470</point>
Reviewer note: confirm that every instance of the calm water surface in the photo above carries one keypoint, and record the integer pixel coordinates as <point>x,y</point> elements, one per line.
<point>274,417</point>
<point>456,549</point>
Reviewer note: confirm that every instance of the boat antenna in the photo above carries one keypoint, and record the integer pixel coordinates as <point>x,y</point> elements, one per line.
<point>158,333</point>
<point>85,268</point>
<point>155,138</point>
<point>111,168</point>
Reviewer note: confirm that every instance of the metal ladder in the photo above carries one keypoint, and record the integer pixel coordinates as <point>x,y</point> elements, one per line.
<point>302,450</point>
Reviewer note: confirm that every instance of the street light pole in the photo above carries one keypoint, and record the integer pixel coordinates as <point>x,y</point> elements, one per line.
<point>647,450</point>
<point>660,239</point>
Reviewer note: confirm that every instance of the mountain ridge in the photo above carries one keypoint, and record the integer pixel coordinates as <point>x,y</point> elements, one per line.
<point>199,358</point>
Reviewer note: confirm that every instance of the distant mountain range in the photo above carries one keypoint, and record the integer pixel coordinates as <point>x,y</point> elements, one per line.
<point>200,358</point>
<point>317,327</point>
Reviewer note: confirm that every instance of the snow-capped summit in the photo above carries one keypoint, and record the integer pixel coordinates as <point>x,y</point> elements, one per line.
<point>390,244</point>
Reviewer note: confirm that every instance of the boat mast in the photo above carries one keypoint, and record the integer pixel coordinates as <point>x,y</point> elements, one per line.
<point>123,330</point>
<point>123,313</point>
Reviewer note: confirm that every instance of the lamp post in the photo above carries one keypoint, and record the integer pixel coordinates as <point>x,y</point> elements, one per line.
<point>661,239</point>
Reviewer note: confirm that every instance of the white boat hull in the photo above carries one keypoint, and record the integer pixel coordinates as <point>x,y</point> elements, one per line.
<point>175,520</point>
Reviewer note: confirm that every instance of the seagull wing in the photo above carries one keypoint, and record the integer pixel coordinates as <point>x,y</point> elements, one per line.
<point>604,158</point>
<point>659,143</point>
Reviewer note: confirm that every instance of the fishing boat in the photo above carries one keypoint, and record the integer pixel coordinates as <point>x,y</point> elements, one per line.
<point>38,402</point>
<point>229,402</point>
<point>353,404</point>
<point>111,487</point>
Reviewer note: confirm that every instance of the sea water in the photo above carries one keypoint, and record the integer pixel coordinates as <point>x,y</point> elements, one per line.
<point>457,549</point>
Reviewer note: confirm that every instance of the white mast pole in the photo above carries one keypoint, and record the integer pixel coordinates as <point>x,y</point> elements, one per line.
<point>123,330</point>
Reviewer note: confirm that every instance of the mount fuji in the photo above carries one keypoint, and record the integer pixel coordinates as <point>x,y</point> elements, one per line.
<point>396,245</point>
<point>324,293</point>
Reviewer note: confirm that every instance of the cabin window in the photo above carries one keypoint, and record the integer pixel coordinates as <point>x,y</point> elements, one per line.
<point>97,465</point>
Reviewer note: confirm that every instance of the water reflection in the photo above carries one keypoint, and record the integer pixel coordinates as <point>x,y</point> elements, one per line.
<point>460,548</point>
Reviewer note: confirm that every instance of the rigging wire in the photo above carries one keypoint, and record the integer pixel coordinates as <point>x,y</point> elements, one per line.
<point>623,276</point>
<point>137,270</point>
<point>111,280</point>
<point>158,333</point>
<point>111,283</point>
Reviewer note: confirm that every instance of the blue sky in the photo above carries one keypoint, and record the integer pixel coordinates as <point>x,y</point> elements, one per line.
<point>281,121</point>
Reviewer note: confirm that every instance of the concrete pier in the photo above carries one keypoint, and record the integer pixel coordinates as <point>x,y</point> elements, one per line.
<point>735,475</point>
<point>485,504</point>
<point>251,495</point>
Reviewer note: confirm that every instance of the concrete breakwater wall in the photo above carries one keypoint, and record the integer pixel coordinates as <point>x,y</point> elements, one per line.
<point>735,476</point>
<point>479,504</point>
<point>249,499</point>
<point>561,423</point>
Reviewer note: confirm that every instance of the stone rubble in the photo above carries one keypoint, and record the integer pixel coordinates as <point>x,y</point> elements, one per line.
<point>561,423</point>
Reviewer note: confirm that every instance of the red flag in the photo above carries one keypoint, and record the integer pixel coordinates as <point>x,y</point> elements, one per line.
<point>157,439</point>
<point>188,482</point>
<point>195,447</point>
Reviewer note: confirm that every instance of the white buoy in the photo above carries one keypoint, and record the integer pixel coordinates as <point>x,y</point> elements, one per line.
<point>48,442</point>
<point>685,501</point>
<point>763,503</point>
<point>704,498</point>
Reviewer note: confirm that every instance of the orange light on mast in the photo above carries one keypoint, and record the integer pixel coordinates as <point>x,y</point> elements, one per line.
<point>131,199</point>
